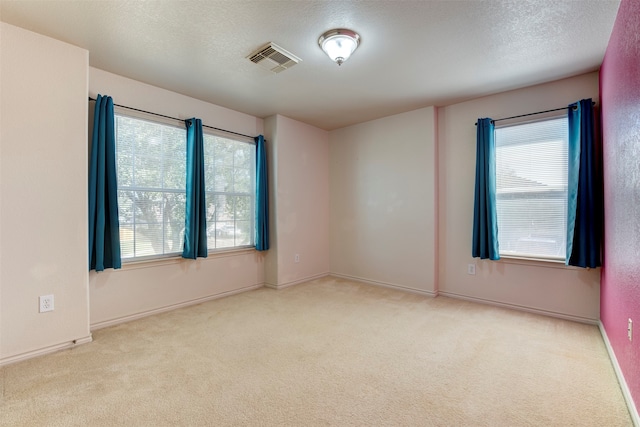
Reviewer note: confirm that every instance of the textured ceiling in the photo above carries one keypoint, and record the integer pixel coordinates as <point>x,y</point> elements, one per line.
<point>413,53</point>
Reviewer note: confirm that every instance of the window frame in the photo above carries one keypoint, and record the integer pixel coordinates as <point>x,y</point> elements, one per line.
<point>510,256</point>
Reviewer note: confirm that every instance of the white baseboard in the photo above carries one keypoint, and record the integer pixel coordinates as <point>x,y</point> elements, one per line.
<point>295,282</point>
<point>633,411</point>
<point>564,316</point>
<point>123,319</point>
<point>386,285</point>
<point>46,350</point>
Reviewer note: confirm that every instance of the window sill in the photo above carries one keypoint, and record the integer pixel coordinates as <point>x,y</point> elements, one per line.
<point>177,259</point>
<point>536,262</point>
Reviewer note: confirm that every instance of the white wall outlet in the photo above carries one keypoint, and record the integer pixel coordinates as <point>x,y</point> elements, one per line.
<point>297,258</point>
<point>630,330</point>
<point>46,303</point>
<point>471,269</point>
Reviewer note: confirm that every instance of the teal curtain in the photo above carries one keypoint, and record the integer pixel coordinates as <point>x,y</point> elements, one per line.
<point>195,232</point>
<point>585,188</point>
<point>104,228</point>
<point>262,197</point>
<point>485,218</point>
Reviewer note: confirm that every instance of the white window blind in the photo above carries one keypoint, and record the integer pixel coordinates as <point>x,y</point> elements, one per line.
<point>531,199</point>
<point>151,173</point>
<point>230,191</point>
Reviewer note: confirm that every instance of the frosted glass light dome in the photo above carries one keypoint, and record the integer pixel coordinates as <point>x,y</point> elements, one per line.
<point>339,44</point>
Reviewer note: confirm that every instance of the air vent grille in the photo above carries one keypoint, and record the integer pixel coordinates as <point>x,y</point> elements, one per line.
<point>273,58</point>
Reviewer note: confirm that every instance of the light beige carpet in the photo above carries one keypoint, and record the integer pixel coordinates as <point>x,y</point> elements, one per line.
<point>328,352</point>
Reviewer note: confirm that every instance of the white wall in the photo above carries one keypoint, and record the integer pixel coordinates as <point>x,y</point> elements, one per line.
<point>383,201</point>
<point>271,256</point>
<point>299,201</point>
<point>543,287</point>
<point>43,193</point>
<point>141,289</point>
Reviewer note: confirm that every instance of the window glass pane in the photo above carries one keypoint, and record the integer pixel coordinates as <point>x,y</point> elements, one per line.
<point>209,172</point>
<point>244,233</point>
<point>174,159</point>
<point>151,173</point>
<point>174,223</point>
<point>125,169</point>
<point>224,207</point>
<point>242,180</point>
<point>531,199</point>
<point>127,240</point>
<point>229,180</point>
<point>222,150</point>
<point>243,156</point>
<point>147,174</point>
<point>148,206</point>
<point>148,239</point>
<point>125,206</point>
<point>211,207</point>
<point>223,179</point>
<point>243,208</point>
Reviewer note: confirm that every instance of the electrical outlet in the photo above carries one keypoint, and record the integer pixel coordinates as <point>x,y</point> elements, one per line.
<point>46,303</point>
<point>630,330</point>
<point>471,269</point>
<point>297,258</point>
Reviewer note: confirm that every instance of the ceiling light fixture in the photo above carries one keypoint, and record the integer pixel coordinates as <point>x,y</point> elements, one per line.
<point>339,44</point>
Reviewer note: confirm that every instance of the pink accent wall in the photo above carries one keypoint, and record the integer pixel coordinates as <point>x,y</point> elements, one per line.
<point>620,281</point>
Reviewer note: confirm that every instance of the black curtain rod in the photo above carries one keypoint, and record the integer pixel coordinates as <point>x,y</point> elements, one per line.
<point>174,118</point>
<point>531,114</point>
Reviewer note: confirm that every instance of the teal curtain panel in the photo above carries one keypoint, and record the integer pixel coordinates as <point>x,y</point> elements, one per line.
<point>585,188</point>
<point>104,228</point>
<point>262,197</point>
<point>485,217</point>
<point>195,233</point>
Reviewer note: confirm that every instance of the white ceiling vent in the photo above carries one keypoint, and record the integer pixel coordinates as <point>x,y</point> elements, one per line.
<point>273,58</point>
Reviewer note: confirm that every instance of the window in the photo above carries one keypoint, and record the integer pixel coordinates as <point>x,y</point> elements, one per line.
<point>151,173</point>
<point>150,166</point>
<point>531,184</point>
<point>230,191</point>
